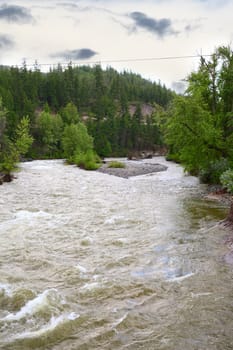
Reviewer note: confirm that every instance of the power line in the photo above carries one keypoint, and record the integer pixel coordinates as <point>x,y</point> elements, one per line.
<point>153,58</point>
<point>118,60</point>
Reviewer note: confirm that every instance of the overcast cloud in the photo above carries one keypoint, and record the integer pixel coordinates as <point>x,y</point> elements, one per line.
<point>5,42</point>
<point>13,13</point>
<point>136,35</point>
<point>79,54</point>
<point>161,27</point>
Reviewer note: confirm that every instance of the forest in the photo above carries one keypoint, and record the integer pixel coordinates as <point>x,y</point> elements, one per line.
<point>83,113</point>
<point>73,110</point>
<point>199,125</point>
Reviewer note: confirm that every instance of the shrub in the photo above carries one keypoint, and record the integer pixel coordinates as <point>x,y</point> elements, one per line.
<point>116,164</point>
<point>76,140</point>
<point>226,180</point>
<point>213,172</point>
<point>172,157</point>
<point>88,160</point>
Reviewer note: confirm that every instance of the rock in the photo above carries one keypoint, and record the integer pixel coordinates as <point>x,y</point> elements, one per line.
<point>149,156</point>
<point>138,155</point>
<point>132,169</point>
<point>5,178</point>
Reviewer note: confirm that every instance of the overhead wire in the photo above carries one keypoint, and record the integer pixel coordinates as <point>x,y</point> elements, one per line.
<point>144,59</point>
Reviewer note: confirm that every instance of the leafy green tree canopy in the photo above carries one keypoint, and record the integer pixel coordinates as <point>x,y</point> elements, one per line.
<point>76,140</point>
<point>49,129</point>
<point>70,114</point>
<point>199,129</point>
<point>11,150</point>
<point>23,138</point>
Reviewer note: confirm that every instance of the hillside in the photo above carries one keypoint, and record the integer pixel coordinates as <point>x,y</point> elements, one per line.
<point>117,108</point>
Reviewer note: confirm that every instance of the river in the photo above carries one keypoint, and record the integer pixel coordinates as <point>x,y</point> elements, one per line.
<point>93,261</point>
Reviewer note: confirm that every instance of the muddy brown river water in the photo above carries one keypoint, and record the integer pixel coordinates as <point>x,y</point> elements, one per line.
<point>93,261</point>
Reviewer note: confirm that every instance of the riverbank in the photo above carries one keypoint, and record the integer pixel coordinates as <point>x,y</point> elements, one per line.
<point>222,196</point>
<point>228,224</point>
<point>132,168</point>
<point>218,194</point>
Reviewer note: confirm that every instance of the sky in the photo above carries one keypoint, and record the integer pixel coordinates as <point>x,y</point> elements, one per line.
<point>150,37</point>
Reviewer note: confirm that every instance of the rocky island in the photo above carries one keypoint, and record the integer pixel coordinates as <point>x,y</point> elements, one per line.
<point>131,168</point>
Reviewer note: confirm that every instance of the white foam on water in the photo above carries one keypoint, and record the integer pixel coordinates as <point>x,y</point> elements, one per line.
<point>114,220</point>
<point>81,268</point>
<point>96,277</point>
<point>49,327</point>
<point>120,320</point>
<point>197,295</point>
<point>31,218</point>
<point>5,289</point>
<point>73,316</point>
<point>32,306</point>
<point>90,286</point>
<point>181,278</point>
<point>25,217</point>
<point>28,215</point>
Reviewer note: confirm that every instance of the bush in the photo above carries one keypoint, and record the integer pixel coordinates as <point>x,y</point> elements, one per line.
<point>116,164</point>
<point>88,160</point>
<point>172,157</point>
<point>213,172</point>
<point>9,158</point>
<point>76,140</point>
<point>227,180</point>
<point>7,166</point>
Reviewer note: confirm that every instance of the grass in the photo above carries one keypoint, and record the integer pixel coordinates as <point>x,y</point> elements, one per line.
<point>88,160</point>
<point>116,164</point>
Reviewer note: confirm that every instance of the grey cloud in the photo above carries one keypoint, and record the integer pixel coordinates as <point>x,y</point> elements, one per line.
<point>78,54</point>
<point>14,13</point>
<point>161,27</point>
<point>5,42</point>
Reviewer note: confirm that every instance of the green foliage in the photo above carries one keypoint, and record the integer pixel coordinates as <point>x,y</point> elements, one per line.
<point>116,164</point>
<point>199,130</point>
<point>76,140</point>
<point>213,172</point>
<point>227,180</point>
<point>192,135</point>
<point>12,150</point>
<point>48,133</point>
<point>8,158</point>
<point>87,160</point>
<point>3,119</point>
<point>172,157</point>
<point>70,114</point>
<point>103,95</point>
<point>23,139</point>
<point>103,146</point>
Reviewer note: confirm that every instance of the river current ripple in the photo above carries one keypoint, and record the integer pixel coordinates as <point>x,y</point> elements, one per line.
<point>93,261</point>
